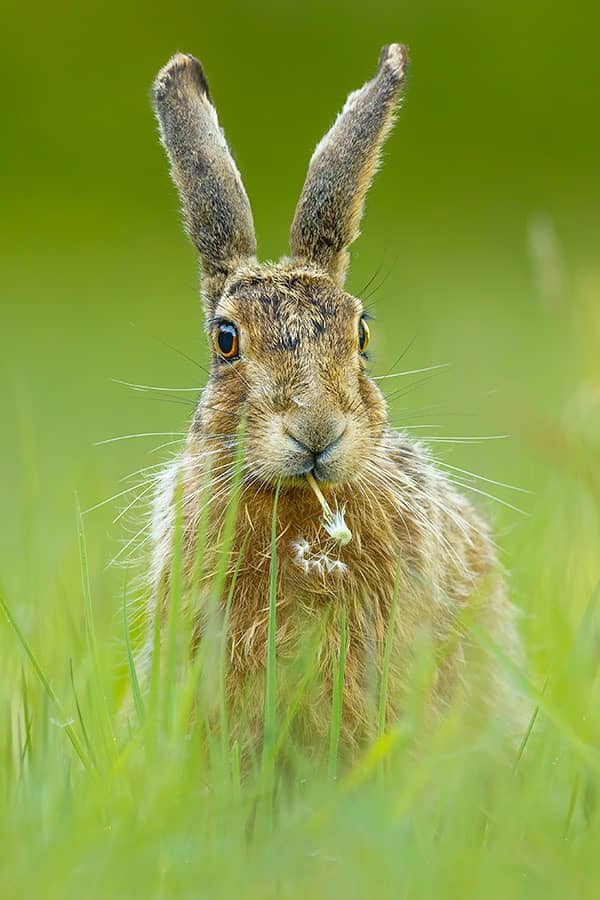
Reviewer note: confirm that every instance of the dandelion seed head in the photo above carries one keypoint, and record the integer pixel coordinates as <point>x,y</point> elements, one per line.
<point>336,528</point>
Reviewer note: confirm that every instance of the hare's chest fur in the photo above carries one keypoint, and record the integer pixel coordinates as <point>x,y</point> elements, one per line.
<point>406,556</point>
<point>393,551</point>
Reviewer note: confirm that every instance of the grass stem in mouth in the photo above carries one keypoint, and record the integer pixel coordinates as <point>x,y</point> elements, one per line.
<point>333,522</point>
<point>327,512</point>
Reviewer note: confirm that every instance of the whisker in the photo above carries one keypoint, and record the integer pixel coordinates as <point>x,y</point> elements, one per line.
<point>125,547</point>
<point>166,444</point>
<point>152,387</point>
<point>154,467</point>
<point>143,493</point>
<point>411,372</point>
<point>371,280</point>
<point>406,350</point>
<point>184,355</point>
<point>471,487</point>
<point>462,440</point>
<point>235,415</point>
<point>503,484</point>
<point>143,434</point>
<point>381,283</point>
<point>402,392</point>
<point>165,398</point>
<point>108,500</point>
<point>414,427</point>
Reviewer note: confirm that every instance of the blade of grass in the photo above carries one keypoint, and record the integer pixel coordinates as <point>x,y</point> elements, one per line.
<point>202,529</point>
<point>587,752</point>
<point>27,748</point>
<point>48,689</point>
<point>98,679</point>
<point>337,702</point>
<point>308,674</point>
<point>583,658</point>
<point>173,636</point>
<point>387,655</point>
<point>572,806</point>
<point>156,661</point>
<point>80,715</point>
<point>205,665</point>
<point>231,513</point>
<point>270,720</point>
<point>223,711</point>
<point>7,747</point>
<point>529,730</point>
<point>133,677</point>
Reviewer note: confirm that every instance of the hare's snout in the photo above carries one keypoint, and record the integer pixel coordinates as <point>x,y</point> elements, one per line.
<point>314,444</point>
<point>293,444</point>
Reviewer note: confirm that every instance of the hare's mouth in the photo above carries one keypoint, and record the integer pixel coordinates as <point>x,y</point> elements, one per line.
<point>323,471</point>
<point>321,461</point>
<point>292,453</point>
<point>294,472</point>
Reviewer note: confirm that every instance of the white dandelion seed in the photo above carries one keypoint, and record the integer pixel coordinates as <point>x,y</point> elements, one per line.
<point>333,522</point>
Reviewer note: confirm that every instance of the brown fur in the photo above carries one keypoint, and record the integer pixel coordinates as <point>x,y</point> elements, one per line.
<point>331,204</point>
<point>217,213</point>
<point>301,390</point>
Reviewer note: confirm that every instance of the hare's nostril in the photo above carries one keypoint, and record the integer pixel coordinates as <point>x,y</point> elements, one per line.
<point>299,445</point>
<point>317,443</point>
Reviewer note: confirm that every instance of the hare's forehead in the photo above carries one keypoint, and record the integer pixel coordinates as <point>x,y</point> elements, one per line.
<point>298,306</point>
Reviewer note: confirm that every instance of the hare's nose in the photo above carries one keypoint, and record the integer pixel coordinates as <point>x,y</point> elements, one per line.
<point>319,438</point>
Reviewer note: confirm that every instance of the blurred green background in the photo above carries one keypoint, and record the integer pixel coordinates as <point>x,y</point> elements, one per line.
<point>480,249</point>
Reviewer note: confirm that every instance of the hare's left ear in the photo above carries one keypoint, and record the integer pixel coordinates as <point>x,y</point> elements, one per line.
<point>216,209</point>
<point>330,208</point>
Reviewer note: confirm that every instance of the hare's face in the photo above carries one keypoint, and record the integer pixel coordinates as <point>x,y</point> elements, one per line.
<point>288,356</point>
<point>287,339</point>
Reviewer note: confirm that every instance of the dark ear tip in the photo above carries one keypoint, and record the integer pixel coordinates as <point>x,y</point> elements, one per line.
<point>182,70</point>
<point>394,58</point>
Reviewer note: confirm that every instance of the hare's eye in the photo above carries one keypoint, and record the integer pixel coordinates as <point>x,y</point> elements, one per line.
<point>363,335</point>
<point>226,340</point>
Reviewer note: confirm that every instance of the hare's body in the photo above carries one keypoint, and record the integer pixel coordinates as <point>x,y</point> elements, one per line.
<point>288,365</point>
<point>317,581</point>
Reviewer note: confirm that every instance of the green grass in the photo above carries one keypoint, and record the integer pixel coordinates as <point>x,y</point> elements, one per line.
<point>162,807</point>
<point>454,816</point>
<point>166,808</point>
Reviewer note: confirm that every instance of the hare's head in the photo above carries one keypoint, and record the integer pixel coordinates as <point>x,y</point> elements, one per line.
<point>288,342</point>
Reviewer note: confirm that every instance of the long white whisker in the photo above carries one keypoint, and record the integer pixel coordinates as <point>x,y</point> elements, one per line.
<point>144,434</point>
<point>504,484</point>
<point>416,427</point>
<point>109,500</point>
<point>411,372</point>
<point>152,387</point>
<point>471,487</point>
<point>143,493</point>
<point>166,444</point>
<point>155,467</point>
<point>462,440</point>
<point>123,549</point>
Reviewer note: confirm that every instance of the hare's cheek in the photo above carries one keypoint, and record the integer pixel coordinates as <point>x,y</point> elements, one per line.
<point>265,435</point>
<point>373,407</point>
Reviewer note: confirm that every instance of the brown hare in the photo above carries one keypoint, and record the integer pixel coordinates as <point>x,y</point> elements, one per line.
<point>288,370</point>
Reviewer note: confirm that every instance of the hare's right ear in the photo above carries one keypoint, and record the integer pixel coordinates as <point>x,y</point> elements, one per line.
<point>216,209</point>
<point>330,208</point>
